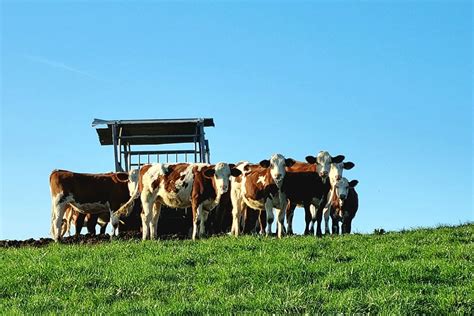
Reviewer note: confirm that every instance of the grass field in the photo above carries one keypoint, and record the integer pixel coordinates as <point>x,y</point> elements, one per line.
<point>420,271</point>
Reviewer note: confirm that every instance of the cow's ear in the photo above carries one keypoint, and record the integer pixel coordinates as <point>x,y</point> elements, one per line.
<point>235,172</point>
<point>209,173</point>
<point>311,159</point>
<point>231,165</point>
<point>265,163</point>
<point>169,169</point>
<point>337,159</point>
<point>353,183</point>
<point>289,162</point>
<point>349,165</point>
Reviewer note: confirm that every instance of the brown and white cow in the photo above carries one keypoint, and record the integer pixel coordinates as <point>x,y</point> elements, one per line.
<point>88,193</point>
<point>344,205</point>
<point>199,186</point>
<point>306,185</point>
<point>260,188</point>
<point>335,174</point>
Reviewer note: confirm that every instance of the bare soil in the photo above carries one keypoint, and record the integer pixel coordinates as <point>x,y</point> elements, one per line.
<point>87,239</point>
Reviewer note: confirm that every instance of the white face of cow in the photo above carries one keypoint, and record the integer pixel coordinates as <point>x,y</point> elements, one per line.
<point>342,189</point>
<point>221,173</point>
<point>323,161</point>
<point>277,168</point>
<point>335,173</point>
<point>277,164</point>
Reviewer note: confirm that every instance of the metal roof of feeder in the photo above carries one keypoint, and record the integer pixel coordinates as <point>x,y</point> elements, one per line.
<point>152,131</point>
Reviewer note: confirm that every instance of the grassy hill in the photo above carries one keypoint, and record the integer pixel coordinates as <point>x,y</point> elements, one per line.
<point>420,271</point>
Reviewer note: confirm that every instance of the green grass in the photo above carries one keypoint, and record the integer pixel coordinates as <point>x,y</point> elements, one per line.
<point>427,271</point>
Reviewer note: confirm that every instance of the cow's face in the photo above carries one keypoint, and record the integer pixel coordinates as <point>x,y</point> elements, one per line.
<point>342,189</point>
<point>221,173</point>
<point>335,173</point>
<point>277,165</point>
<point>323,161</point>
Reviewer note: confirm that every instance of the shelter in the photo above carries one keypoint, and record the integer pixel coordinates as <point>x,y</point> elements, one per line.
<point>123,134</point>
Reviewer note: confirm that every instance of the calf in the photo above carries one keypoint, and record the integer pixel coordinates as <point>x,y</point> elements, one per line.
<point>260,188</point>
<point>344,205</point>
<point>88,193</point>
<point>335,174</point>
<point>79,219</point>
<point>306,184</point>
<point>182,185</point>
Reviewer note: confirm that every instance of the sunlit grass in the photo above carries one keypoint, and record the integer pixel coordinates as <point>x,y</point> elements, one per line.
<point>427,271</point>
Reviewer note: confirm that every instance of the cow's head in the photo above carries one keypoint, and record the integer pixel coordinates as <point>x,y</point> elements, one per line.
<point>277,164</point>
<point>323,161</point>
<point>335,173</point>
<point>341,189</point>
<point>221,173</point>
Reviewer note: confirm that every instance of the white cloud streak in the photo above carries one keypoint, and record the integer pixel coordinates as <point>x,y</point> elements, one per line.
<point>59,65</point>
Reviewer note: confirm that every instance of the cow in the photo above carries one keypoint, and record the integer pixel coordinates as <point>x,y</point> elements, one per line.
<point>259,188</point>
<point>79,219</point>
<point>344,205</point>
<point>306,184</point>
<point>182,185</point>
<point>335,174</point>
<point>89,193</point>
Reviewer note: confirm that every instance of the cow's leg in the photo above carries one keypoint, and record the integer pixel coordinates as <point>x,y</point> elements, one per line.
<point>237,207</point>
<point>290,212</point>
<point>79,223</point>
<point>280,222</point>
<point>103,221</point>
<point>327,213</point>
<point>281,211</point>
<point>147,216</point>
<point>91,223</point>
<point>310,216</point>
<point>202,226</point>
<point>319,218</point>
<point>346,224</point>
<point>57,215</point>
<point>270,218</point>
<point>153,229</point>
<point>250,220</point>
<point>335,224</point>
<point>103,228</point>
<point>65,227</point>
<point>262,222</point>
<point>245,215</point>
<point>197,219</point>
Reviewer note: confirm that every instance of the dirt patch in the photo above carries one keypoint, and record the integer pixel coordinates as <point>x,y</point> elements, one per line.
<point>87,239</point>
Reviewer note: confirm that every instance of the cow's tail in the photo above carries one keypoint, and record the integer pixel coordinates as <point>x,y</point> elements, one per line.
<point>127,208</point>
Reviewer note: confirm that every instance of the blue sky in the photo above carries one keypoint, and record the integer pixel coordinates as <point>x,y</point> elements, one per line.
<point>387,84</point>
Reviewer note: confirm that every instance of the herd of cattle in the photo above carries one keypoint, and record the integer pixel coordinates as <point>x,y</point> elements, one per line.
<point>278,183</point>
